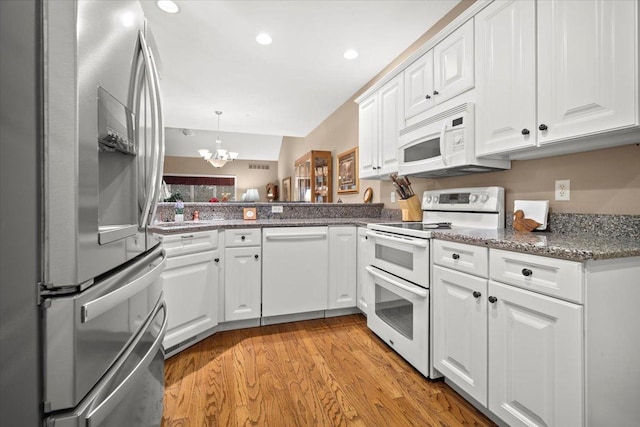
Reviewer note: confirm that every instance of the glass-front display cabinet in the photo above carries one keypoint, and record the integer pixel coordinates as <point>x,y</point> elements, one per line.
<point>313,177</point>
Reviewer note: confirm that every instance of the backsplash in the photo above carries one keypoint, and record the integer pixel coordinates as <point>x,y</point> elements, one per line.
<point>595,224</point>
<point>229,211</point>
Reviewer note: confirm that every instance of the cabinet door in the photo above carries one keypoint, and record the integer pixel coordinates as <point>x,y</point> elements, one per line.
<point>418,85</point>
<point>368,137</point>
<point>587,67</point>
<point>362,296</point>
<point>453,63</point>
<point>460,330</point>
<point>535,358</point>
<point>190,286</point>
<point>342,267</point>
<point>505,77</point>
<point>242,274</point>
<point>391,121</point>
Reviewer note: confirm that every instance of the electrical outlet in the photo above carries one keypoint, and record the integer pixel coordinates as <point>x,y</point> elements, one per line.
<point>563,189</point>
<point>393,197</point>
<point>276,209</point>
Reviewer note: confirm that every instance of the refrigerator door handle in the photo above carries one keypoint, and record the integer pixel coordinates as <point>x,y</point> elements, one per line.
<point>107,406</point>
<point>150,77</point>
<point>104,303</point>
<point>159,141</point>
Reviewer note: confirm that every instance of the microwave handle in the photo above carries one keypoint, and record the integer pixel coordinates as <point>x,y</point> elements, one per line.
<point>443,146</point>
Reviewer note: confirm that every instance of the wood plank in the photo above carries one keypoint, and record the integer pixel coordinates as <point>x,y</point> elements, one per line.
<point>323,372</point>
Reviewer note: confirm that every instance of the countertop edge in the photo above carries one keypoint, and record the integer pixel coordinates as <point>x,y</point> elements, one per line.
<point>507,240</point>
<point>553,251</point>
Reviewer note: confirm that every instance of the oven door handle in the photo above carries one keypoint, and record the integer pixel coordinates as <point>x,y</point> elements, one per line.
<point>416,243</point>
<point>421,292</point>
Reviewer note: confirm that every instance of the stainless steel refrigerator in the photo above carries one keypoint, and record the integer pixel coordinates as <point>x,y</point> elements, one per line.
<point>99,153</point>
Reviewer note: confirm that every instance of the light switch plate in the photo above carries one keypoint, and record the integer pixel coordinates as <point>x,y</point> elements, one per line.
<point>276,209</point>
<point>393,197</point>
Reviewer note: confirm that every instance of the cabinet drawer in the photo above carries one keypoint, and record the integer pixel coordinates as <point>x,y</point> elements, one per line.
<point>549,276</point>
<point>242,237</point>
<point>187,243</point>
<point>461,257</point>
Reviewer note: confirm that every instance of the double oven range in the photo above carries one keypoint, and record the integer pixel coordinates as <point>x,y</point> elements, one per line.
<point>399,266</point>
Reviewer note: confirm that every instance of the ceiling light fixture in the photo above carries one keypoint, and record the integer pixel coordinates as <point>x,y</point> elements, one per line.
<point>350,54</point>
<point>168,6</point>
<point>220,156</point>
<point>264,39</point>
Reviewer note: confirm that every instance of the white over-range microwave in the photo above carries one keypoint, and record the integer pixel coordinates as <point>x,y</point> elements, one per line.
<point>443,145</point>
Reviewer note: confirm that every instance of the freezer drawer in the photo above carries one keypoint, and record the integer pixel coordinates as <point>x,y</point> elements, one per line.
<point>131,392</point>
<point>84,334</point>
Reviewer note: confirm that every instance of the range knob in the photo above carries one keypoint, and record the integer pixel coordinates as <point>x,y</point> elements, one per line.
<point>484,198</point>
<point>428,199</point>
<point>435,199</point>
<point>473,198</point>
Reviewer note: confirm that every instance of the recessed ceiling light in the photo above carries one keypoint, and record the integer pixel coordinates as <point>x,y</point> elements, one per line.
<point>264,38</point>
<point>350,54</point>
<point>168,6</point>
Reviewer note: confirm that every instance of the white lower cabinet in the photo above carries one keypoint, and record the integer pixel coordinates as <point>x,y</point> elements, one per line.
<point>361,274</point>
<point>242,275</point>
<point>535,358</point>
<point>342,267</point>
<point>190,285</point>
<point>460,330</point>
<point>517,352</point>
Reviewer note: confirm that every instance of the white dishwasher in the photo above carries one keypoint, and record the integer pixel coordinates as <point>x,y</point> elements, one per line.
<point>295,270</point>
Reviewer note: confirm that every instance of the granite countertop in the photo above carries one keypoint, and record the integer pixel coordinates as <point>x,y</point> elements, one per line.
<point>569,246</point>
<point>580,246</point>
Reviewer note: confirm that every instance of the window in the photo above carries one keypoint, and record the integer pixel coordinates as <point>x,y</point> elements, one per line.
<point>201,188</point>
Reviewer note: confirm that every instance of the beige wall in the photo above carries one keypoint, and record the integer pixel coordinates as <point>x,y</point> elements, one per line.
<point>603,181</point>
<point>245,177</point>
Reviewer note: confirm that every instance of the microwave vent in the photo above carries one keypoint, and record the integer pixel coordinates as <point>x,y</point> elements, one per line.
<point>437,118</point>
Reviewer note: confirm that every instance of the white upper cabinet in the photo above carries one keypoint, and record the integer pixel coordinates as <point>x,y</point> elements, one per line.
<point>391,121</point>
<point>587,67</point>
<point>381,116</point>
<point>506,77</point>
<point>418,85</point>
<point>368,137</point>
<point>579,89</point>
<point>453,63</point>
<point>442,73</point>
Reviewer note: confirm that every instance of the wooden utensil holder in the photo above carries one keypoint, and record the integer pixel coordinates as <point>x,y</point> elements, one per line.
<point>411,209</point>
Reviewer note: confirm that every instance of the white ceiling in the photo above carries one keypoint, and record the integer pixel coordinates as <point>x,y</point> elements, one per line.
<point>211,61</point>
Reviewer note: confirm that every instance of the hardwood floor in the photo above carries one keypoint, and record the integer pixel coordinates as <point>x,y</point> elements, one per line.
<point>325,372</point>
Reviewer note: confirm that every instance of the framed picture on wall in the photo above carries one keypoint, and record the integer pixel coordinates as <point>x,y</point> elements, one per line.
<point>286,189</point>
<point>348,181</point>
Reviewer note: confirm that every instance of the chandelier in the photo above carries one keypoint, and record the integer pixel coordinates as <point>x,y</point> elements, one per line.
<point>220,156</point>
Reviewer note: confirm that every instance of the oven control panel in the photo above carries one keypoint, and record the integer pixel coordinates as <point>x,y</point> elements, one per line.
<point>479,199</point>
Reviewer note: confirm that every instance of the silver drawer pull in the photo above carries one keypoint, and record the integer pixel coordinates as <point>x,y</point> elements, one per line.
<point>190,236</point>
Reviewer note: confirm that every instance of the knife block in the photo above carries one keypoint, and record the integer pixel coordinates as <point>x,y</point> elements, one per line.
<point>411,209</point>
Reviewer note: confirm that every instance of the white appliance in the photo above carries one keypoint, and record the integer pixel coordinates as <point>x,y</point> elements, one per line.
<point>291,279</point>
<point>101,303</point>
<point>399,263</point>
<point>443,145</point>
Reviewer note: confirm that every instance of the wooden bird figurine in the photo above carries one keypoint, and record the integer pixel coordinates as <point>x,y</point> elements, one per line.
<point>521,223</point>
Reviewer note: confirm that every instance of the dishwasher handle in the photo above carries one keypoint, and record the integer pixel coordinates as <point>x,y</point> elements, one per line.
<point>297,236</point>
